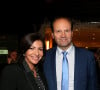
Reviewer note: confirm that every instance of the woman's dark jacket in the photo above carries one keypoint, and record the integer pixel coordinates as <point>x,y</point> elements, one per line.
<point>19,77</point>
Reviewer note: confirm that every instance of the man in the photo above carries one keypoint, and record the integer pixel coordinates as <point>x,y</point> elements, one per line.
<point>81,62</point>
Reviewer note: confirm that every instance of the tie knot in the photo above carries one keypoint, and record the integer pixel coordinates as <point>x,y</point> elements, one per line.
<point>64,53</point>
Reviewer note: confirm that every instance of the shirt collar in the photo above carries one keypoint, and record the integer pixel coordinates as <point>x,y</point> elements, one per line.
<point>59,50</point>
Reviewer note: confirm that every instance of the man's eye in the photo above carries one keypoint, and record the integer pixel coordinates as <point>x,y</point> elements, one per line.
<point>58,31</point>
<point>68,30</point>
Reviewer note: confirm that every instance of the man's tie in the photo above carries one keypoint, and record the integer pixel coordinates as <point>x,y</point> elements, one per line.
<point>64,82</point>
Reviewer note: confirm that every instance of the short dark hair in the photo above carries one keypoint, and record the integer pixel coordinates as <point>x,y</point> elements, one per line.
<point>63,17</point>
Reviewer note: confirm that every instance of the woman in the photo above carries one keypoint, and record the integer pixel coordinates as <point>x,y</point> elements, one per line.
<point>26,74</point>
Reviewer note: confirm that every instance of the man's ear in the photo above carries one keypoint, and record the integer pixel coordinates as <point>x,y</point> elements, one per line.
<point>72,33</point>
<point>52,35</point>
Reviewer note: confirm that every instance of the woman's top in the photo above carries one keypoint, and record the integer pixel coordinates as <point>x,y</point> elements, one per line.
<point>18,76</point>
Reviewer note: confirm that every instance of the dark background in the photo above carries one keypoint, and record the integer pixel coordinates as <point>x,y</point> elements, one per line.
<point>22,17</point>
<point>18,18</point>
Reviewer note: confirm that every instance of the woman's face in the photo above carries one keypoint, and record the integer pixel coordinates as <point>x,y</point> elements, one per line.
<point>34,54</point>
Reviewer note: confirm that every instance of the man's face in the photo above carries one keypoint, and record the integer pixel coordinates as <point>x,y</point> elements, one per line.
<point>62,33</point>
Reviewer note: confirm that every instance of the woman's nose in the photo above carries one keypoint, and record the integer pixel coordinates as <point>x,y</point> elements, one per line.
<point>37,52</point>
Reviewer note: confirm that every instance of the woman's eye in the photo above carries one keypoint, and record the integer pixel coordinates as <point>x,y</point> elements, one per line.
<point>41,49</point>
<point>31,48</point>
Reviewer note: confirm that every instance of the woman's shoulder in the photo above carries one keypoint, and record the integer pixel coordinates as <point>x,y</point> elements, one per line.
<point>11,68</point>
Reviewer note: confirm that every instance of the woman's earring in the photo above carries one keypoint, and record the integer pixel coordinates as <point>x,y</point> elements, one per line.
<point>23,54</point>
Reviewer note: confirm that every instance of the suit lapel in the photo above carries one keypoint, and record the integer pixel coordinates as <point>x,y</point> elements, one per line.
<point>30,79</point>
<point>76,69</point>
<point>53,66</point>
<point>28,74</point>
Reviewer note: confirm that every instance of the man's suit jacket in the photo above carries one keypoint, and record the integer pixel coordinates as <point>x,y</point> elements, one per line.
<point>15,77</point>
<point>85,71</point>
